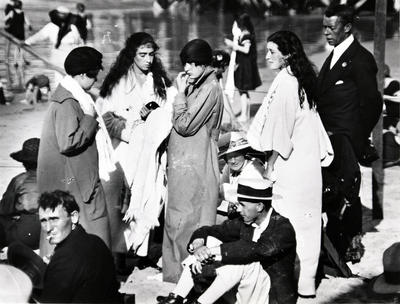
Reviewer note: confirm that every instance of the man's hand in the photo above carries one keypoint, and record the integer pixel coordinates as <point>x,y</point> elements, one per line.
<point>203,254</point>
<point>197,243</point>
<point>196,267</point>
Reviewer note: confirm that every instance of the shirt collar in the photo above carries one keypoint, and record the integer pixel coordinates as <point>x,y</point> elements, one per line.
<point>343,46</point>
<point>264,223</point>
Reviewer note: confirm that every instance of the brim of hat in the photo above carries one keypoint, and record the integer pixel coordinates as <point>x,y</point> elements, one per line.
<point>380,287</point>
<point>21,256</point>
<point>234,149</point>
<point>22,157</point>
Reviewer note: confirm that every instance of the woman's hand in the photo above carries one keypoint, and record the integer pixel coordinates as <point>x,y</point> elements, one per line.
<point>144,112</point>
<point>181,81</point>
<point>267,174</point>
<point>228,42</point>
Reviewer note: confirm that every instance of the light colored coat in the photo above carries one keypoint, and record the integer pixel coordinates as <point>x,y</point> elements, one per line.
<point>193,175</point>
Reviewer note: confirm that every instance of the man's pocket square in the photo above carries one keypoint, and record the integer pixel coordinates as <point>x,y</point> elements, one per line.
<point>339,82</point>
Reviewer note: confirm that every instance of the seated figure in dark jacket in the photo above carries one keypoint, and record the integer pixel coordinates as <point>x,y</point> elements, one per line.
<point>19,220</point>
<point>81,269</point>
<point>255,252</point>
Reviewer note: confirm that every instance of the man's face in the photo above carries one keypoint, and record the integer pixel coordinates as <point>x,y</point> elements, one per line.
<point>194,71</point>
<point>334,31</point>
<point>57,224</point>
<point>144,57</point>
<point>248,211</point>
<point>235,161</point>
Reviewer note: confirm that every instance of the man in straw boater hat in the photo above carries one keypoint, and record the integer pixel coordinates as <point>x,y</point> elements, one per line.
<point>19,220</point>
<point>239,163</point>
<point>386,286</point>
<point>255,252</point>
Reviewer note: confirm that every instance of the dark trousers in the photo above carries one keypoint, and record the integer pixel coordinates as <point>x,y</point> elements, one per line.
<point>341,202</point>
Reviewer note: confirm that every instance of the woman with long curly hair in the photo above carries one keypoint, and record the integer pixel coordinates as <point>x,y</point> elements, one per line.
<point>288,127</point>
<point>135,87</point>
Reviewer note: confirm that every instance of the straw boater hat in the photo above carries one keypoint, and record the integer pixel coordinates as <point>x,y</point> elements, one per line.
<point>15,285</point>
<point>388,283</point>
<point>253,190</point>
<point>29,152</point>
<point>232,142</point>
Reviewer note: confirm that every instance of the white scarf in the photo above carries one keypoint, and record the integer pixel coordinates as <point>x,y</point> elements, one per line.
<point>103,141</point>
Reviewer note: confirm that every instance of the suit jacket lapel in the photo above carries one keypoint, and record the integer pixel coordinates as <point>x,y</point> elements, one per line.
<point>324,69</point>
<point>330,77</point>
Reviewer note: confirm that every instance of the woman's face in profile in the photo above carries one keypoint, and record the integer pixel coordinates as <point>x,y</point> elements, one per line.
<point>144,57</point>
<point>274,57</point>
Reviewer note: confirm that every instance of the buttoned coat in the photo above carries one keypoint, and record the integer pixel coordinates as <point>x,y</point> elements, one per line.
<point>348,100</point>
<point>68,160</point>
<point>275,250</point>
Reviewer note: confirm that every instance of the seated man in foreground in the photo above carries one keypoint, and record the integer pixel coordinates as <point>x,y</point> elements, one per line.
<point>81,269</point>
<point>257,253</point>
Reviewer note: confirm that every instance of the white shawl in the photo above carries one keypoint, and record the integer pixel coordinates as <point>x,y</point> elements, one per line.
<point>103,141</point>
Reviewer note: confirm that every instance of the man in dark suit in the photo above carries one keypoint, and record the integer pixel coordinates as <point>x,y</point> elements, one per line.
<point>81,269</point>
<point>349,104</point>
<point>256,251</point>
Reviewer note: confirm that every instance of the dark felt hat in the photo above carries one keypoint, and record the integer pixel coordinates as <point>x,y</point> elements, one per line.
<point>25,259</point>
<point>29,152</point>
<point>196,51</point>
<point>83,59</point>
<point>388,283</point>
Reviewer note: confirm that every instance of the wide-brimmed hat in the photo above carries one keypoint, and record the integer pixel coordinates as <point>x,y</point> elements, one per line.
<point>29,152</point>
<point>253,190</point>
<point>15,285</point>
<point>232,142</point>
<point>25,259</point>
<point>388,283</point>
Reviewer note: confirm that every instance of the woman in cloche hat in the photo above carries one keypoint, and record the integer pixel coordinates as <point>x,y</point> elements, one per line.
<point>193,175</point>
<point>68,158</point>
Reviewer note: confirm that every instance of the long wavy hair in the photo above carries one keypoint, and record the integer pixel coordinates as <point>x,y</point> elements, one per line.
<point>125,60</point>
<point>290,45</point>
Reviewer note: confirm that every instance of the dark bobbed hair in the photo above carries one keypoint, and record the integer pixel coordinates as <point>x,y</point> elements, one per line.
<point>125,60</point>
<point>244,23</point>
<point>51,200</point>
<point>289,44</point>
<point>80,7</point>
<point>345,13</point>
<point>196,51</point>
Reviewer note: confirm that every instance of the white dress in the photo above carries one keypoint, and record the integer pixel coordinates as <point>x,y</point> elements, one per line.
<point>296,133</point>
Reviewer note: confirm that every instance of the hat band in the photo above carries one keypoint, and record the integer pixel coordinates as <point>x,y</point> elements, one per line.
<point>392,277</point>
<point>248,191</point>
<point>254,200</point>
